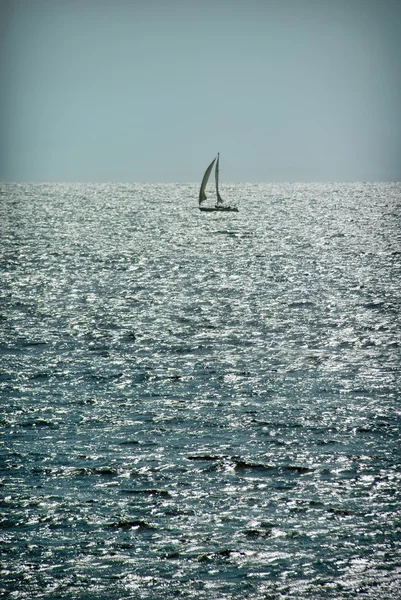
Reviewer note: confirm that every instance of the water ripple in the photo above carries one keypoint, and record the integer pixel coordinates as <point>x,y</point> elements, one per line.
<point>200,405</point>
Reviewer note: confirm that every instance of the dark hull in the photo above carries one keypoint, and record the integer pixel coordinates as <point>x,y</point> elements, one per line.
<point>218,208</point>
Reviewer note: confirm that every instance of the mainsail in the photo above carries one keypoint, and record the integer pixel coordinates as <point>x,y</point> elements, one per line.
<point>202,195</point>
<point>219,198</point>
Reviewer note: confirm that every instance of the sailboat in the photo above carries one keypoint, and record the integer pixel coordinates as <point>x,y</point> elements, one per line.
<point>219,206</point>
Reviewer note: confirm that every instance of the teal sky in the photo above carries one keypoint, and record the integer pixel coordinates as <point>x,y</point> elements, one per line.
<point>150,90</point>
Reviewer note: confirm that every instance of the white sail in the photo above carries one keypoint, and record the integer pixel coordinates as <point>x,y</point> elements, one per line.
<point>202,195</point>
<point>219,198</point>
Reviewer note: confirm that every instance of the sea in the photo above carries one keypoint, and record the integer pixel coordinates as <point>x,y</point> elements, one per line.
<point>200,405</point>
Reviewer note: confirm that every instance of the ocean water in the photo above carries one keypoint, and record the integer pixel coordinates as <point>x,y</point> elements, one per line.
<point>200,405</point>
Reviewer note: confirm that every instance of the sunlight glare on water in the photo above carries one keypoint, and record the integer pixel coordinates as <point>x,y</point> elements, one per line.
<point>200,405</point>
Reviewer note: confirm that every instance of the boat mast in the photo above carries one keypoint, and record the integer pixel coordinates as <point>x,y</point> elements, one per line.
<point>219,198</point>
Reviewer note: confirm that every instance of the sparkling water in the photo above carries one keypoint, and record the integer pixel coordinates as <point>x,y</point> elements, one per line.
<point>200,405</point>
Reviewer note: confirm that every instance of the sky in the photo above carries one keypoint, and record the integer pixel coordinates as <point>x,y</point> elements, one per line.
<point>151,90</point>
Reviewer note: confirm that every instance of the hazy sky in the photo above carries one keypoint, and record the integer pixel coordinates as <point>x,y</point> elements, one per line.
<point>150,90</point>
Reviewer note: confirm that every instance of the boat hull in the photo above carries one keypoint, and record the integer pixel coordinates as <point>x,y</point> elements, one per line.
<point>218,208</point>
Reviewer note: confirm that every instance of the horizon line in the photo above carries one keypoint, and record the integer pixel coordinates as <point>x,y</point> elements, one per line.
<point>115,182</point>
